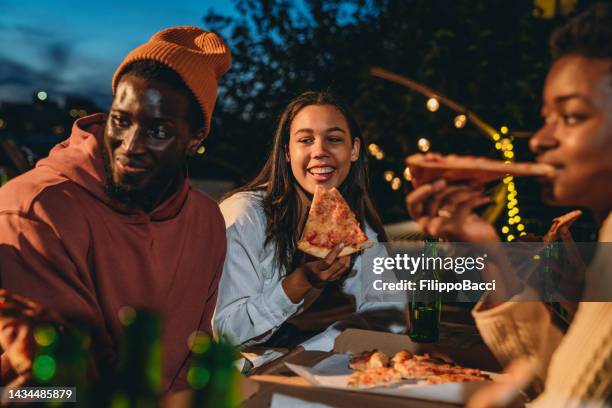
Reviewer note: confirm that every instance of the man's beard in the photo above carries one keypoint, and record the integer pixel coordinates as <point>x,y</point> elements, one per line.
<point>143,199</point>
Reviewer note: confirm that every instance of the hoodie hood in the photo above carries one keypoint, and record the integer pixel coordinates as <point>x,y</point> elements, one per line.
<point>79,159</point>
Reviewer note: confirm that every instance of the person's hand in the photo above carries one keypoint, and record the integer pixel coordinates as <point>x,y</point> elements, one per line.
<point>330,269</point>
<point>18,318</point>
<point>447,212</point>
<point>17,350</point>
<point>507,391</point>
<point>315,274</point>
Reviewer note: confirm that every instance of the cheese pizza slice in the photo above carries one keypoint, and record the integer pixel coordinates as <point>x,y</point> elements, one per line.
<point>480,170</point>
<point>331,222</point>
<point>383,376</point>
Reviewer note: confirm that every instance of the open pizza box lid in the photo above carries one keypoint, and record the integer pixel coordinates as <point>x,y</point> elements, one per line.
<point>357,340</point>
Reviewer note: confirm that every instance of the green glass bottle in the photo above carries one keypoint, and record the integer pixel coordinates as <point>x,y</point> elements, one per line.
<point>426,305</point>
<point>138,379</point>
<point>212,375</point>
<point>550,280</point>
<point>62,360</point>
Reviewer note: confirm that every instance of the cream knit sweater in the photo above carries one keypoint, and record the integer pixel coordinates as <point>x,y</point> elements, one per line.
<point>577,367</point>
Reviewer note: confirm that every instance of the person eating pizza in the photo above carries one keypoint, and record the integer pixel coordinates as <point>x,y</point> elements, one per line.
<point>267,280</point>
<point>576,139</point>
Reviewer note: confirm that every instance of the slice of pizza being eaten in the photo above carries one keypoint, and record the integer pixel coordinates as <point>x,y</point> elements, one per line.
<point>331,222</point>
<point>480,170</point>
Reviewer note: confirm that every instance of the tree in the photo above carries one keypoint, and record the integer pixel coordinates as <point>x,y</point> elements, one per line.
<point>491,55</point>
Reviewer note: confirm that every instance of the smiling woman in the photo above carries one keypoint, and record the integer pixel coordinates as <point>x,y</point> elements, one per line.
<point>266,281</point>
<point>321,148</point>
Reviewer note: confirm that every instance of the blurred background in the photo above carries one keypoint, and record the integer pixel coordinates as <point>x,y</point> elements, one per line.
<point>491,56</point>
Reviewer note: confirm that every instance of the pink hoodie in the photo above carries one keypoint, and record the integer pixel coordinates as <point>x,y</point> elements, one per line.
<point>67,245</point>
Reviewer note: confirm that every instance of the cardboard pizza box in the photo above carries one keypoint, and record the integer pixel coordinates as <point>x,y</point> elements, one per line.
<point>279,379</point>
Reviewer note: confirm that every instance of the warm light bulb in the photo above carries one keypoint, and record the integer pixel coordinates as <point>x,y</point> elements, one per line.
<point>433,104</point>
<point>423,144</point>
<point>389,175</point>
<point>460,121</point>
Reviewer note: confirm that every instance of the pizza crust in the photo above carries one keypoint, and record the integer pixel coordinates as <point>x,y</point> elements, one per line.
<point>369,359</point>
<point>320,252</point>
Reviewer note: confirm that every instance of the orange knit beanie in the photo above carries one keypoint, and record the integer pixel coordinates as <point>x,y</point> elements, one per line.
<point>199,57</point>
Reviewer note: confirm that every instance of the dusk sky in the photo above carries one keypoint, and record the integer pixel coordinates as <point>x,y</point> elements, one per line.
<point>66,47</point>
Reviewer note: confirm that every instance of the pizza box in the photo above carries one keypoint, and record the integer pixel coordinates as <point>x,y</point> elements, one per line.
<point>281,379</point>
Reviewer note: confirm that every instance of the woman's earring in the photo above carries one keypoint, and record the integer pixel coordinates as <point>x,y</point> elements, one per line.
<point>201,149</point>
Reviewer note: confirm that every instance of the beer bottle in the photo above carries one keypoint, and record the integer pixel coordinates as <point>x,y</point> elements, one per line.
<point>212,374</point>
<point>138,378</point>
<point>62,361</point>
<point>550,280</point>
<point>426,305</point>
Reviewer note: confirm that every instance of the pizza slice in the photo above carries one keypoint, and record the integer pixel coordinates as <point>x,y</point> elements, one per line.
<point>456,377</point>
<point>414,366</point>
<point>480,170</point>
<point>368,359</point>
<point>374,376</point>
<point>331,222</point>
<point>561,223</point>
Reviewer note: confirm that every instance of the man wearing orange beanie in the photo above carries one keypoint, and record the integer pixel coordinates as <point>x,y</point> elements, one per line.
<point>108,222</point>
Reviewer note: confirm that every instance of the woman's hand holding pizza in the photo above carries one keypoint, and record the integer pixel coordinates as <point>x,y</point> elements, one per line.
<point>315,274</point>
<point>330,269</point>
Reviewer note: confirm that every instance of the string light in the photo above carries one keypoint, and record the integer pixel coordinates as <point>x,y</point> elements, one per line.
<point>389,175</point>
<point>433,104</point>
<point>423,144</point>
<point>513,220</point>
<point>460,121</point>
<point>396,183</point>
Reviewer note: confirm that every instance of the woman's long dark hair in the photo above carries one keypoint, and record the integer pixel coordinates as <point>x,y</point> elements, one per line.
<point>281,202</point>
